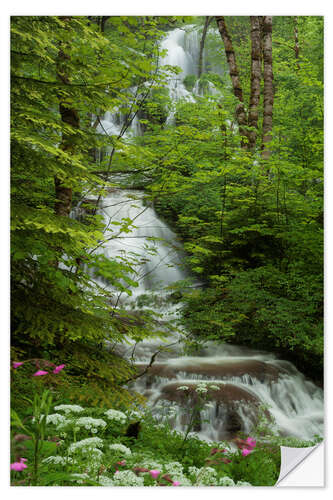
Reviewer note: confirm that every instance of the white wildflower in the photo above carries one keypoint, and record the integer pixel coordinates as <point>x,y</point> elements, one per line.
<point>173,468</point>
<point>78,478</point>
<point>243,483</point>
<point>183,388</point>
<point>201,387</point>
<point>94,457</point>
<point>183,480</point>
<point>55,418</point>
<point>86,443</point>
<point>116,415</point>
<point>201,390</point>
<point>94,431</point>
<point>135,414</point>
<point>206,476</point>
<point>105,481</point>
<point>226,481</point>
<point>89,422</point>
<point>127,478</point>
<point>69,408</point>
<point>215,387</point>
<point>122,449</point>
<point>56,460</point>
<point>149,464</point>
<point>193,470</point>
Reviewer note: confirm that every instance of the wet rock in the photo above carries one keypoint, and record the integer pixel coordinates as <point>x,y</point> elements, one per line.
<point>256,369</point>
<point>229,394</point>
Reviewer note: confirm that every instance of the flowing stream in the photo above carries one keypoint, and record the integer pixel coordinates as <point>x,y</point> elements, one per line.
<point>248,384</point>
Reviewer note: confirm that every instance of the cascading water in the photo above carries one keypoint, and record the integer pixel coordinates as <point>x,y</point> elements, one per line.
<point>246,382</point>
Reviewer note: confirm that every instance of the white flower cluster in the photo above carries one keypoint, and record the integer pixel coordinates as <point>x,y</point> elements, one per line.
<point>183,388</point>
<point>69,408</point>
<point>56,460</point>
<point>105,481</point>
<point>121,449</point>
<point>79,478</point>
<point>86,444</point>
<point>90,423</point>
<point>226,481</point>
<point>201,388</point>
<point>149,464</point>
<point>173,468</point>
<point>243,483</point>
<point>127,478</point>
<point>54,418</point>
<point>63,424</point>
<point>94,458</point>
<point>116,415</point>
<point>206,476</point>
<point>216,387</point>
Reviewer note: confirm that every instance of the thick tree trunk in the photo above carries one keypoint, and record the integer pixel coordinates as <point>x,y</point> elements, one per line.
<point>70,117</point>
<point>268,86</point>
<point>234,75</point>
<point>255,80</point>
<point>202,43</point>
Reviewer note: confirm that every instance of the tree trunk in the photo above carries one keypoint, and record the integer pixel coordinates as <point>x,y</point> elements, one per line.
<point>70,117</point>
<point>255,80</point>
<point>268,86</point>
<point>296,48</point>
<point>234,75</point>
<point>202,43</point>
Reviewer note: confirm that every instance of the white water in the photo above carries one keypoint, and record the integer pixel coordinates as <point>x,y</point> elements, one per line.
<point>247,378</point>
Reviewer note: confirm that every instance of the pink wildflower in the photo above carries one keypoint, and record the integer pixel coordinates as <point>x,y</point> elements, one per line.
<point>251,442</point>
<point>58,368</point>
<point>16,364</point>
<point>246,452</point>
<point>40,372</point>
<point>122,462</point>
<point>19,466</point>
<point>154,473</point>
<point>176,483</point>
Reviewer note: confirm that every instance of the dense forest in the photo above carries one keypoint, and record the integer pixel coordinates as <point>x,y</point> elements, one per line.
<point>225,149</point>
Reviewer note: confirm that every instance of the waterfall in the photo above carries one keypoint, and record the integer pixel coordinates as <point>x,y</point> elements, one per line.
<point>249,384</point>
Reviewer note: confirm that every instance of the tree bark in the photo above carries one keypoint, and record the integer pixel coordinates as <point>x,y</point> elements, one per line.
<point>268,86</point>
<point>202,43</point>
<point>296,48</point>
<point>234,75</point>
<point>255,80</point>
<point>70,117</point>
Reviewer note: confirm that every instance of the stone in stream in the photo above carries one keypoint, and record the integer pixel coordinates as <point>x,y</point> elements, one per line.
<point>259,370</point>
<point>231,403</point>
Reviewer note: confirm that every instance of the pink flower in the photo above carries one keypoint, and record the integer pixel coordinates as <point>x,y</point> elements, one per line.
<point>58,368</point>
<point>16,364</point>
<point>19,466</point>
<point>154,473</point>
<point>251,442</point>
<point>122,462</point>
<point>176,483</point>
<point>246,452</point>
<point>40,372</point>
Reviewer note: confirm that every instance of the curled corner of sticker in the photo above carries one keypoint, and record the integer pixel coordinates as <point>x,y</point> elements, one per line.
<point>291,458</point>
